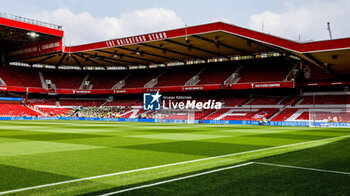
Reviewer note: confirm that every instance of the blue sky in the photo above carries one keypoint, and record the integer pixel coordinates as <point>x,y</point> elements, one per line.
<point>89,21</point>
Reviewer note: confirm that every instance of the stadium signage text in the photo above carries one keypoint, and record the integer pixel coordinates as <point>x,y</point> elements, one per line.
<point>81,92</point>
<point>32,49</point>
<point>137,39</point>
<point>267,85</point>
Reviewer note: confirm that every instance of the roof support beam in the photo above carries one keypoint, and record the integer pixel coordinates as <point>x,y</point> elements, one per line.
<point>172,51</point>
<point>199,49</point>
<point>133,57</point>
<point>222,44</point>
<point>87,59</point>
<point>76,60</point>
<point>150,54</point>
<point>60,61</point>
<point>103,59</point>
<point>44,59</point>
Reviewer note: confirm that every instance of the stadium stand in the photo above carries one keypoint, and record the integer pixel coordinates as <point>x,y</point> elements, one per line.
<point>27,77</point>
<point>123,102</point>
<point>14,109</point>
<point>177,76</point>
<point>242,114</point>
<point>264,101</point>
<point>65,80</point>
<point>263,72</point>
<point>235,101</point>
<point>325,99</point>
<point>213,75</point>
<point>35,102</point>
<point>81,103</point>
<point>285,114</point>
<point>106,80</point>
<point>9,79</point>
<point>138,79</point>
<point>316,74</point>
<point>248,69</point>
<point>56,111</point>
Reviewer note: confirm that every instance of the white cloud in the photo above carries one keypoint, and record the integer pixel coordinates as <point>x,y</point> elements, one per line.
<point>223,19</point>
<point>84,28</point>
<point>308,20</point>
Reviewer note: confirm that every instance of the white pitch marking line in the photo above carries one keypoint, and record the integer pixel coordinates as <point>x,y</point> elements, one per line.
<point>177,179</point>
<point>166,165</point>
<point>303,168</point>
<point>222,169</point>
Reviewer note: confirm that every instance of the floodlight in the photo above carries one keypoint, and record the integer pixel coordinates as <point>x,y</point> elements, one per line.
<point>33,34</point>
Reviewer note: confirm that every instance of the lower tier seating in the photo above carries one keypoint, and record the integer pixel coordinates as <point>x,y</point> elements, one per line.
<point>14,109</point>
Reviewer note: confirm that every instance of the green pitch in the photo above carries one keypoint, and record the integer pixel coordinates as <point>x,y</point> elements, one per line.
<point>81,157</point>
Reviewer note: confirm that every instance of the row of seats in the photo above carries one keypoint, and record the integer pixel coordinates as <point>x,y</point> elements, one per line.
<point>15,109</point>
<point>81,103</point>
<point>326,99</point>
<point>57,111</point>
<point>123,102</point>
<point>242,114</point>
<point>230,113</point>
<point>214,73</point>
<point>264,72</point>
<point>228,102</point>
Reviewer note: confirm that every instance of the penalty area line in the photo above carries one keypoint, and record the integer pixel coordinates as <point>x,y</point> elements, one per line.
<point>168,165</point>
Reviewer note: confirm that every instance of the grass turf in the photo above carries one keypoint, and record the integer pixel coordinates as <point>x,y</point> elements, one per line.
<point>34,153</point>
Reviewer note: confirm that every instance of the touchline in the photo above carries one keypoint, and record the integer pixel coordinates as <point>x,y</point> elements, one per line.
<point>191,104</point>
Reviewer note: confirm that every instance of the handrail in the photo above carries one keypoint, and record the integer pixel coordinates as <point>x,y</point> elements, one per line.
<point>30,21</point>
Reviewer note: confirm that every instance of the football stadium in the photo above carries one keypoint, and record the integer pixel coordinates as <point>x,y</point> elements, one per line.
<point>210,109</point>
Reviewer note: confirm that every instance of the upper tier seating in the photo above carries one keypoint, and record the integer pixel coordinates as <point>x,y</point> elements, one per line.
<point>65,80</point>
<point>215,75</point>
<point>140,78</point>
<point>9,79</point>
<point>177,76</point>
<point>27,77</point>
<point>270,71</point>
<point>106,80</point>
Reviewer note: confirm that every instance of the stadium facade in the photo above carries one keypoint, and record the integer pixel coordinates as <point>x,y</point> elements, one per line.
<point>256,76</point>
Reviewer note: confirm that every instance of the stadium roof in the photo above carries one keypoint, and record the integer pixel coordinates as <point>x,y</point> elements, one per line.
<point>16,31</point>
<point>194,43</point>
